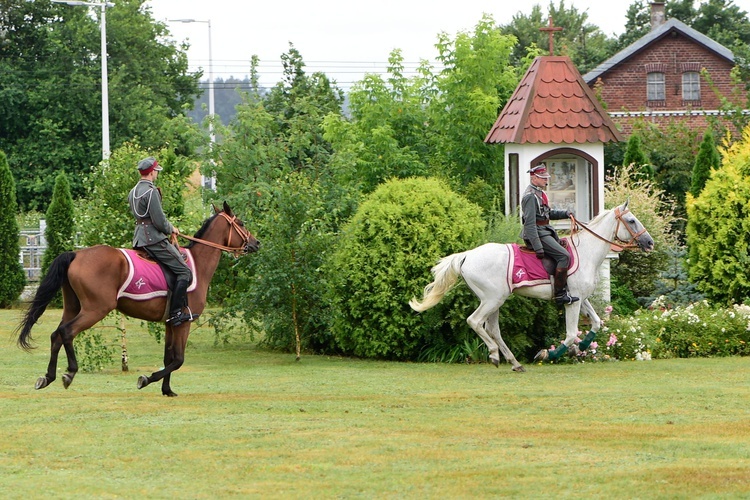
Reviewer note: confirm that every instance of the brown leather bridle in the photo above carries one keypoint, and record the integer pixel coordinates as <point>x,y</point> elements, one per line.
<point>234,227</point>
<point>618,244</point>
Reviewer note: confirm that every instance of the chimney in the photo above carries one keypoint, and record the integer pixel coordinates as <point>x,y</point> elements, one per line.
<point>658,15</point>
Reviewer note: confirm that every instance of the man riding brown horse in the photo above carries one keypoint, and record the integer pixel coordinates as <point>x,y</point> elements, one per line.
<point>151,234</point>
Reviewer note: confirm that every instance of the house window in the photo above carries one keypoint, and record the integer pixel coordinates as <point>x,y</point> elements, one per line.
<point>513,182</point>
<point>655,88</point>
<point>691,86</point>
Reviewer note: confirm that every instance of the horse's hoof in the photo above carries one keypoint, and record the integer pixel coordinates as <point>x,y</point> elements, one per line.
<point>41,383</point>
<point>574,351</point>
<point>142,381</point>
<point>542,355</point>
<point>67,379</point>
<point>170,394</point>
<point>495,362</point>
<point>519,369</point>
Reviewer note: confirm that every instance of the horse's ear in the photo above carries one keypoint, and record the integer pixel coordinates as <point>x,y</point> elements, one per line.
<point>216,210</point>
<point>227,210</point>
<point>626,203</point>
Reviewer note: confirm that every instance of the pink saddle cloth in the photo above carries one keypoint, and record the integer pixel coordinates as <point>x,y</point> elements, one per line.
<point>524,269</point>
<point>146,280</point>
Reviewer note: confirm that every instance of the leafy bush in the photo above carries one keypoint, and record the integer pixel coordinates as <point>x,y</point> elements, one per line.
<point>719,228</point>
<point>383,259</point>
<point>695,330</point>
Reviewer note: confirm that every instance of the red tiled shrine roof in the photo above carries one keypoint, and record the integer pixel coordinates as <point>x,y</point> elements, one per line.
<point>553,105</point>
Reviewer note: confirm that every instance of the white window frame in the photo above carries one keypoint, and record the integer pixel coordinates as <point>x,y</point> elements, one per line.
<point>656,89</point>
<point>691,86</point>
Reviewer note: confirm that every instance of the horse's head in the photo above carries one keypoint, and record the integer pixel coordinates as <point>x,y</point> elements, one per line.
<point>630,230</point>
<point>237,231</point>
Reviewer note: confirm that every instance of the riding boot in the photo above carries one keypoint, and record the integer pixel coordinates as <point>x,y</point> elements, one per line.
<point>561,292</point>
<point>179,301</point>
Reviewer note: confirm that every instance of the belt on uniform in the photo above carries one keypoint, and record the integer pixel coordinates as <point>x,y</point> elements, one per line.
<point>144,222</point>
<point>544,222</point>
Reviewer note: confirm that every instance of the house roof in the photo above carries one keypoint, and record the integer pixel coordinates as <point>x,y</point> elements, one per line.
<point>673,25</point>
<point>552,105</point>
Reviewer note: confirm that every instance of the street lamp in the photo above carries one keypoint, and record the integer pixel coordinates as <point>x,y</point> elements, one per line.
<point>209,182</point>
<point>105,83</point>
<point>210,74</point>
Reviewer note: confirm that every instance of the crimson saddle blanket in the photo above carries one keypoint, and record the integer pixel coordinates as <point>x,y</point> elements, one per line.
<point>524,269</point>
<point>146,279</point>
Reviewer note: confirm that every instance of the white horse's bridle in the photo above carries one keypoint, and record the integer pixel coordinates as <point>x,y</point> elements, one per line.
<point>617,243</point>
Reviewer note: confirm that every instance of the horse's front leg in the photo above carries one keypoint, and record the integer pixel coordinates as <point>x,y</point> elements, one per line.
<point>572,312</point>
<point>174,357</point>
<point>596,323</point>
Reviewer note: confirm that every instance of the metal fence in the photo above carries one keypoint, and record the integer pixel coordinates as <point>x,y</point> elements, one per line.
<point>32,250</point>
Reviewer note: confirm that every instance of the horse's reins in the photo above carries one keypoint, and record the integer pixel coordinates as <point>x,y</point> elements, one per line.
<point>236,251</point>
<point>622,245</point>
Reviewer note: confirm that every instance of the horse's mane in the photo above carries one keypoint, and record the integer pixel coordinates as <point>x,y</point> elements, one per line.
<point>202,230</point>
<point>599,217</point>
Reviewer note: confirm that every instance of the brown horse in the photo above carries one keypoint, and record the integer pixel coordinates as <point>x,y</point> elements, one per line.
<point>90,279</point>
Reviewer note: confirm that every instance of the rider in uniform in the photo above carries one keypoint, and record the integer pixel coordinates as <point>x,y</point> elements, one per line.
<point>151,230</point>
<point>540,235</point>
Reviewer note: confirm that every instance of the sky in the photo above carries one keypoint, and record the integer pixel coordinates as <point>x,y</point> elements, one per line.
<point>343,38</point>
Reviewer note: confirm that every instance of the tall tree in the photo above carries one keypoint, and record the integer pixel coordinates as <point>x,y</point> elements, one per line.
<point>708,159</point>
<point>274,161</point>
<point>12,278</point>
<point>718,229</point>
<point>60,224</point>
<point>50,88</point>
<point>582,41</point>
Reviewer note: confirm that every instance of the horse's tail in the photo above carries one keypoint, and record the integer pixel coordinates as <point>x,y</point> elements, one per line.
<point>47,290</point>
<point>446,273</point>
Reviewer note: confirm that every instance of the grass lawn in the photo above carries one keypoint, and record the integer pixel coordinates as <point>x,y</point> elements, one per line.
<point>253,424</point>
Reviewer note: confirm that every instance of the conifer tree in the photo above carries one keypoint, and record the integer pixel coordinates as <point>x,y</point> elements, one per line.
<point>60,224</point>
<point>708,159</point>
<point>634,155</point>
<point>12,278</point>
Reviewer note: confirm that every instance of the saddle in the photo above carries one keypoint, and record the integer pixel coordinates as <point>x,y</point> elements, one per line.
<point>169,275</point>
<point>147,279</point>
<point>548,262</point>
<point>524,269</point>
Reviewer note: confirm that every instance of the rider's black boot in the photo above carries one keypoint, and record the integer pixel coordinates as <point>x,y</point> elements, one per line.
<point>561,292</point>
<point>179,302</point>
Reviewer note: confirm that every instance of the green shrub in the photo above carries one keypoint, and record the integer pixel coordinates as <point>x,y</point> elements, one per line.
<point>384,258</point>
<point>695,330</point>
<point>12,278</point>
<point>60,224</point>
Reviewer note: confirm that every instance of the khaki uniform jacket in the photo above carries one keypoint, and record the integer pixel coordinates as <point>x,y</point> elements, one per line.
<point>536,214</point>
<point>151,224</point>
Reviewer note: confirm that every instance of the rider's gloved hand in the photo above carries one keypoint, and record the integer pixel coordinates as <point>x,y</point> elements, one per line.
<point>540,254</point>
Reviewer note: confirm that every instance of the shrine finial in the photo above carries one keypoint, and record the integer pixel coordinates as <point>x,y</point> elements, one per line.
<point>550,29</point>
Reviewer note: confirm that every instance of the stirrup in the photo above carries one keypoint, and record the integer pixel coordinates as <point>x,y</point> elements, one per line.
<point>564,298</point>
<point>181,317</point>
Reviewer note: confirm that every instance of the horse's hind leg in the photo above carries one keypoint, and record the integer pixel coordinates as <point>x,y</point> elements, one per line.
<point>71,308</point>
<point>493,326</point>
<point>477,322</point>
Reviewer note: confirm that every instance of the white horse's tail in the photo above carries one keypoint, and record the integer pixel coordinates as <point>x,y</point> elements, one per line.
<point>446,273</point>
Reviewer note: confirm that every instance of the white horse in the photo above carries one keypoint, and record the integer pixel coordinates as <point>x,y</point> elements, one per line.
<point>485,271</point>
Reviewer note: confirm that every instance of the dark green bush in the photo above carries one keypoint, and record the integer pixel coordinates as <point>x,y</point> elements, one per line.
<point>383,259</point>
<point>12,278</point>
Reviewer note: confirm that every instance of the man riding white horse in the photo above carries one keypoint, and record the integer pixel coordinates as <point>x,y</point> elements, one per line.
<point>540,235</point>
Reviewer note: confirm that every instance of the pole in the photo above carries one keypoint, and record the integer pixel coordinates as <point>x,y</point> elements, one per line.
<point>105,88</point>
<point>105,81</point>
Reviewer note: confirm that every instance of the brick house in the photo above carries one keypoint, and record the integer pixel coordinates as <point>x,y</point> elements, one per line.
<point>658,78</point>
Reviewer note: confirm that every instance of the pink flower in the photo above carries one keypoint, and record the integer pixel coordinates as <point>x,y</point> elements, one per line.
<point>594,345</point>
<point>608,309</point>
<point>612,340</point>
